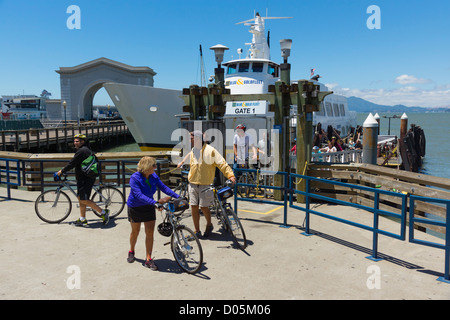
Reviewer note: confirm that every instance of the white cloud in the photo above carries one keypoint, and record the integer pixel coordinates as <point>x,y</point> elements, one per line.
<point>439,96</point>
<point>407,79</point>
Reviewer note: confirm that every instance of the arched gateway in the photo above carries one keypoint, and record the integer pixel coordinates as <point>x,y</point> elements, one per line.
<point>79,84</point>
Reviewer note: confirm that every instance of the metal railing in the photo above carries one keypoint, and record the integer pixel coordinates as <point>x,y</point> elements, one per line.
<point>290,191</point>
<point>113,171</point>
<point>374,228</point>
<point>283,188</point>
<point>7,175</point>
<point>434,221</point>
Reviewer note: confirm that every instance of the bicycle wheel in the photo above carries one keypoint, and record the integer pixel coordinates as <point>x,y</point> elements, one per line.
<point>246,191</point>
<point>53,206</point>
<point>111,198</point>
<point>217,209</point>
<point>236,229</point>
<point>186,249</point>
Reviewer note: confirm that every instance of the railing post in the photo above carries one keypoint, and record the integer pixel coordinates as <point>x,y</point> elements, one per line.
<point>307,207</point>
<point>376,206</point>
<point>235,198</point>
<point>446,277</point>
<point>8,186</point>
<point>286,190</point>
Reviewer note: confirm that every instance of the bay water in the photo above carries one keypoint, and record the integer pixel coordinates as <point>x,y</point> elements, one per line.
<point>436,127</point>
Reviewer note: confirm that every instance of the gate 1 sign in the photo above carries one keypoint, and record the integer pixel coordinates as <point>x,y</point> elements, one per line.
<point>246,107</point>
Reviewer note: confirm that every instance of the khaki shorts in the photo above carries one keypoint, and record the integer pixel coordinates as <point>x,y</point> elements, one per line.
<point>199,195</point>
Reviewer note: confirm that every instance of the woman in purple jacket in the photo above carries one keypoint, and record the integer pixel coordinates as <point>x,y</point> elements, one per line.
<point>141,206</point>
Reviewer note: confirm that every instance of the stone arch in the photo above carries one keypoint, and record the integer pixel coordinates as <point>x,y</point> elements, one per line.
<point>80,83</point>
<point>87,98</point>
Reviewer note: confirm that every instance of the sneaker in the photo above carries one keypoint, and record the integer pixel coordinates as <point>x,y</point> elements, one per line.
<point>131,257</point>
<point>151,265</point>
<point>208,230</point>
<point>198,234</point>
<point>105,217</point>
<point>81,223</point>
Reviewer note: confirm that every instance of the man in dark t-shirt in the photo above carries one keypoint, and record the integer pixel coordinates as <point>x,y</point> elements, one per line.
<point>84,183</point>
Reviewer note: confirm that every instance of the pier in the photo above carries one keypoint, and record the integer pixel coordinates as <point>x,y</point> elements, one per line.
<point>315,249</point>
<point>280,263</point>
<point>58,139</point>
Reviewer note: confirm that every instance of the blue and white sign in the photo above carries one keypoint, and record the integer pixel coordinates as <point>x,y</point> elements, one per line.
<point>246,107</point>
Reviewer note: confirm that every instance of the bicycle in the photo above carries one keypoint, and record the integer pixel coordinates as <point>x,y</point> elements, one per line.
<point>182,188</point>
<point>54,206</point>
<point>248,178</point>
<point>226,215</point>
<point>185,245</point>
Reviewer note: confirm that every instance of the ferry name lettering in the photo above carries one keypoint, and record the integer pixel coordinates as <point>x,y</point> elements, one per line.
<point>74,20</point>
<point>241,82</point>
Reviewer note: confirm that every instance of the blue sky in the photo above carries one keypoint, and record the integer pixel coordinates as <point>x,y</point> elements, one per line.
<point>407,61</point>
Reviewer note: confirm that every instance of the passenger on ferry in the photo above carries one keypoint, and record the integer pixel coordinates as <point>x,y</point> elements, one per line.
<point>336,144</point>
<point>316,149</point>
<point>294,148</point>
<point>242,143</point>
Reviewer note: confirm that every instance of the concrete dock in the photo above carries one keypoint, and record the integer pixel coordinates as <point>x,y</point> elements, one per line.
<point>44,261</point>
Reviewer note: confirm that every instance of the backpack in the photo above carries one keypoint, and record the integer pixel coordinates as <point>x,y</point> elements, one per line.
<point>89,166</point>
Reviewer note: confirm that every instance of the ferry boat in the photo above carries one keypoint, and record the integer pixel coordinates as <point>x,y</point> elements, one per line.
<point>152,114</point>
<point>23,107</point>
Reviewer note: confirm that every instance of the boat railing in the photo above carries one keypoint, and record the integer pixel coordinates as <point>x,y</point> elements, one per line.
<point>345,156</point>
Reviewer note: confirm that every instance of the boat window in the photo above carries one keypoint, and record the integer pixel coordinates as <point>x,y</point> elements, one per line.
<point>322,110</point>
<point>329,109</point>
<point>257,67</point>
<point>231,69</point>
<point>341,108</point>
<point>243,67</point>
<point>336,110</point>
<point>272,70</point>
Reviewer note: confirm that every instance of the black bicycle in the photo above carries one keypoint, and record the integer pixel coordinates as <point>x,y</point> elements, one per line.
<point>185,245</point>
<point>226,215</point>
<point>54,206</point>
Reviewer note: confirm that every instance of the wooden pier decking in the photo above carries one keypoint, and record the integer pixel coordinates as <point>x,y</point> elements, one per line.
<point>57,139</point>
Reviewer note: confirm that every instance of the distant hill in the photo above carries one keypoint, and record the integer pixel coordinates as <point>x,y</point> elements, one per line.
<point>361,105</point>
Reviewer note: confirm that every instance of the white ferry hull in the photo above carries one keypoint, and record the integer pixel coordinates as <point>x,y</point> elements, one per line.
<point>148,112</point>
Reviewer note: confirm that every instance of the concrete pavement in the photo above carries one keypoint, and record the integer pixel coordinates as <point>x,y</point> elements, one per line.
<point>44,261</point>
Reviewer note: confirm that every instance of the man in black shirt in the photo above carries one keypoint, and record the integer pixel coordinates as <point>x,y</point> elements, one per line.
<point>84,183</point>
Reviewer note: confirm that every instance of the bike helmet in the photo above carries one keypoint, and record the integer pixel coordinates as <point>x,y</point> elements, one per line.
<point>80,136</point>
<point>165,229</point>
<point>241,126</point>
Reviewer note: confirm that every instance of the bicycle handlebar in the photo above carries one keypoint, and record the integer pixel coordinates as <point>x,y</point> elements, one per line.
<point>228,183</point>
<point>165,206</point>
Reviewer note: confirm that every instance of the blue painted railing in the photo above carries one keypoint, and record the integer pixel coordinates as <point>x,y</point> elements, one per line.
<point>289,191</point>
<point>285,176</point>
<point>433,221</point>
<point>7,173</point>
<point>374,228</point>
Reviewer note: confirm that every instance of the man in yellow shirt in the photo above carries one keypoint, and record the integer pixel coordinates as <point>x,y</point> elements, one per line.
<point>204,159</point>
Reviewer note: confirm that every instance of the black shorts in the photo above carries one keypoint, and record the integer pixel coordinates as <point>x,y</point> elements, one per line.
<point>84,188</point>
<point>142,214</point>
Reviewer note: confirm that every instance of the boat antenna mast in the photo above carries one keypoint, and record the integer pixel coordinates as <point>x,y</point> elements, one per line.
<point>259,47</point>
<point>202,69</point>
